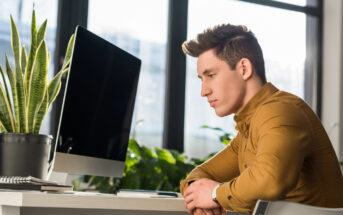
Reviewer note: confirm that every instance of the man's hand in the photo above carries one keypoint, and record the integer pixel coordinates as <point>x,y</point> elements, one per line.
<point>198,198</point>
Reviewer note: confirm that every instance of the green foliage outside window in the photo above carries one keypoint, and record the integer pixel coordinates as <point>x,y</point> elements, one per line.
<point>150,169</point>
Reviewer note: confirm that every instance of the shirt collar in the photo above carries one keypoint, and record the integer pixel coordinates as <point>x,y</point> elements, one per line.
<point>243,116</point>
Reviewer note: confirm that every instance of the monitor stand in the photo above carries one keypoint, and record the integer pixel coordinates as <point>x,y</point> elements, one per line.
<point>62,177</point>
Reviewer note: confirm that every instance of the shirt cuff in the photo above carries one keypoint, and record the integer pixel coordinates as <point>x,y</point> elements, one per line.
<point>228,201</point>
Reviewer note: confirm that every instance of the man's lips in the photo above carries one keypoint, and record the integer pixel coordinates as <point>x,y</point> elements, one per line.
<point>212,102</point>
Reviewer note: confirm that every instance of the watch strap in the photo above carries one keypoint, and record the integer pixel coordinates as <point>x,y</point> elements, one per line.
<point>214,193</point>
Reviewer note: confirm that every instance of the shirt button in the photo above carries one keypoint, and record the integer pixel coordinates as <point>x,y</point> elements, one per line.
<point>229,197</point>
<point>245,166</point>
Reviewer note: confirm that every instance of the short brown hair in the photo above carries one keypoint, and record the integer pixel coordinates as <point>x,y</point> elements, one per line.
<point>231,43</point>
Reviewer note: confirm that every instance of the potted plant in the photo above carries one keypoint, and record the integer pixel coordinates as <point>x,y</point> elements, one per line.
<point>25,97</point>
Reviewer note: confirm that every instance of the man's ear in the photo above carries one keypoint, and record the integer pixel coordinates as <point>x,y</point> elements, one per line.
<point>245,68</point>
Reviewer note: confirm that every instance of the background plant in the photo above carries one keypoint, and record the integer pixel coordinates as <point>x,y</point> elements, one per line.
<point>150,169</point>
<point>25,94</point>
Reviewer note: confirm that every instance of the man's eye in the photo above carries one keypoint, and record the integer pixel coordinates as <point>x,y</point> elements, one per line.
<point>211,75</point>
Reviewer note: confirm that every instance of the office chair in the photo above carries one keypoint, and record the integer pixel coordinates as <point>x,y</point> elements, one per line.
<point>292,208</point>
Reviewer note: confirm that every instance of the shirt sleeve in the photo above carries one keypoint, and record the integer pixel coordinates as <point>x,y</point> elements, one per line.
<point>282,139</point>
<point>221,167</point>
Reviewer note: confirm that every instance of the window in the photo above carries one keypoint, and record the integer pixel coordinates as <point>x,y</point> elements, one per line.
<point>283,41</point>
<point>139,27</point>
<point>21,11</point>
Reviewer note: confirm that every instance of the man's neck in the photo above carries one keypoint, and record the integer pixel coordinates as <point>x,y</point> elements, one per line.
<point>252,88</point>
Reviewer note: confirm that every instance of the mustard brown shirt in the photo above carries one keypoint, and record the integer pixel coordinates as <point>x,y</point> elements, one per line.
<point>281,152</point>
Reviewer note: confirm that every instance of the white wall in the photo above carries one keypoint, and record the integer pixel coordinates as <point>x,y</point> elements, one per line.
<point>332,97</point>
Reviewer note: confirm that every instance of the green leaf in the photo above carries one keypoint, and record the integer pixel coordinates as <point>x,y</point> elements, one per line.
<point>6,116</point>
<point>23,59</point>
<point>21,100</point>
<point>178,156</point>
<point>163,154</point>
<point>5,84</point>
<point>32,52</point>
<point>41,32</point>
<point>69,51</point>
<point>131,181</point>
<point>134,147</point>
<point>197,161</point>
<point>37,84</point>
<point>130,161</point>
<point>12,79</point>
<point>15,41</point>
<point>226,141</point>
<point>55,85</point>
<point>43,109</point>
<point>56,93</point>
<point>2,128</point>
<point>147,153</point>
<point>213,128</point>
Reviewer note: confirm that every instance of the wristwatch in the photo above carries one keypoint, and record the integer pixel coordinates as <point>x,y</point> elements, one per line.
<point>214,193</point>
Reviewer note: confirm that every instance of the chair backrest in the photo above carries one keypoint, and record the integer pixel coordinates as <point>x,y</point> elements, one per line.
<point>287,208</point>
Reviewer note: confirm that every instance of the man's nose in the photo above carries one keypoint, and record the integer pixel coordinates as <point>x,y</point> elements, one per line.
<point>205,90</point>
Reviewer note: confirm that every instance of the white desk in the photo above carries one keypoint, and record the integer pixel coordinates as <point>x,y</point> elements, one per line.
<point>34,202</point>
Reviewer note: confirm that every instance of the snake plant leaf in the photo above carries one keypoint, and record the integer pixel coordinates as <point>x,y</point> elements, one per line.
<point>12,79</point>
<point>33,49</point>
<point>2,128</point>
<point>41,32</point>
<point>15,41</point>
<point>6,116</point>
<point>48,60</point>
<point>43,109</point>
<point>65,66</point>
<point>21,100</point>
<point>55,85</point>
<point>23,59</point>
<point>5,84</point>
<point>69,51</point>
<point>37,83</point>
<point>51,100</point>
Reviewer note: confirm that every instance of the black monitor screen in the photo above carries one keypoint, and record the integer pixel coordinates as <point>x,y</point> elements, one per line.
<point>99,100</point>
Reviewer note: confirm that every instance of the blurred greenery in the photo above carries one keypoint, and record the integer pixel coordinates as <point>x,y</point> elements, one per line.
<point>149,169</point>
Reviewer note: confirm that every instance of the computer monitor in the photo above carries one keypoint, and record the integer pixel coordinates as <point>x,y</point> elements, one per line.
<point>97,110</point>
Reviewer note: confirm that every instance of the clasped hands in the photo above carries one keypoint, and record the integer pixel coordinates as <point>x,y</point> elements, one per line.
<point>198,198</point>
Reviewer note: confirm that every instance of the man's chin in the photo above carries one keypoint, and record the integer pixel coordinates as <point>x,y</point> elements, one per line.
<point>222,113</point>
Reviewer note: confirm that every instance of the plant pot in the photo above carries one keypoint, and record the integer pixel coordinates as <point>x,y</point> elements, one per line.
<point>25,154</point>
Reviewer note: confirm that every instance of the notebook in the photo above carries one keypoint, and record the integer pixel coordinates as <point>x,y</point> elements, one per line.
<point>31,183</point>
<point>24,179</point>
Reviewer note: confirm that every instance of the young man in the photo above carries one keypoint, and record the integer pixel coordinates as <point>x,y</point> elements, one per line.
<point>281,151</point>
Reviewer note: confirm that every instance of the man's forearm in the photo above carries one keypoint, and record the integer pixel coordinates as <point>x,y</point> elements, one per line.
<point>221,167</point>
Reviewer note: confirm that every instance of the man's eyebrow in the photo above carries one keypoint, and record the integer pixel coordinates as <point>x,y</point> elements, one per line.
<point>206,71</point>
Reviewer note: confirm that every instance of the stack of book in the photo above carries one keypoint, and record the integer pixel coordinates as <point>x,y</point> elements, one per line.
<point>31,183</point>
